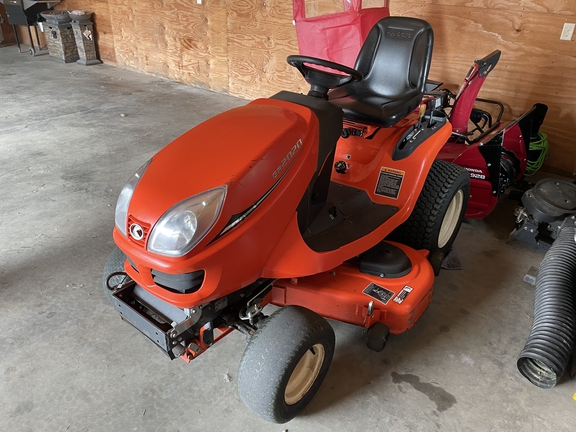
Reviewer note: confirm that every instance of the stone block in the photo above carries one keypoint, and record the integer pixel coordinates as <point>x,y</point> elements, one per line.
<point>84,35</point>
<point>61,42</point>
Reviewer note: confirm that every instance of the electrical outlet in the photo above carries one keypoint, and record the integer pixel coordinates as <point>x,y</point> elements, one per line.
<point>567,31</point>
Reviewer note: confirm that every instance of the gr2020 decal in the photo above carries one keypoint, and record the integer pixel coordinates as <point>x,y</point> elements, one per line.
<point>287,158</point>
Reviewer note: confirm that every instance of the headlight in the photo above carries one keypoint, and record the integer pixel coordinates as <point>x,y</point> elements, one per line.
<point>185,224</point>
<point>121,217</point>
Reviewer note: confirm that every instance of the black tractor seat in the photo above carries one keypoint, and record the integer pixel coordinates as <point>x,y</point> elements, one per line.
<point>394,61</point>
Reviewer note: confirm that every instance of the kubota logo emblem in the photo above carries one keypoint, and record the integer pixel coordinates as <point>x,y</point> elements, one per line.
<point>399,33</point>
<point>287,158</point>
<point>137,232</point>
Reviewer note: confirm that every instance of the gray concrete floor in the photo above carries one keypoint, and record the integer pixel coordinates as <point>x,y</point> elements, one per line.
<point>70,136</point>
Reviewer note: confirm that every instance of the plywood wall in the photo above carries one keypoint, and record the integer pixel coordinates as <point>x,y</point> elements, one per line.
<point>179,39</point>
<point>239,47</point>
<point>535,66</point>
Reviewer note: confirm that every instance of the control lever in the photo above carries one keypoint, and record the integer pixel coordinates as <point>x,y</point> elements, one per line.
<point>421,115</point>
<point>417,128</point>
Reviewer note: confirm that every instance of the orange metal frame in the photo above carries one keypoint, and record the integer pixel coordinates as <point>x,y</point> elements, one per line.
<point>190,355</point>
<point>340,294</point>
<point>268,244</point>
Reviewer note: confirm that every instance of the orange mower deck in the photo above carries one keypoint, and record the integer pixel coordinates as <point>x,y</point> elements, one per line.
<point>345,294</point>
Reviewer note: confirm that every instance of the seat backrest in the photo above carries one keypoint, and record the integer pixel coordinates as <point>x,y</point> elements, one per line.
<point>395,58</point>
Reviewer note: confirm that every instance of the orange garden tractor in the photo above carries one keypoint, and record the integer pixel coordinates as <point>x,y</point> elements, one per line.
<point>293,201</point>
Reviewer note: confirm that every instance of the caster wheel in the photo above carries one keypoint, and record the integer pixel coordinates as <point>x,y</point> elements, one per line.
<point>377,336</point>
<point>32,52</point>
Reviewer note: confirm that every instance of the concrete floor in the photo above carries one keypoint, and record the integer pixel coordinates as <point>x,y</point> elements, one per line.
<point>70,136</point>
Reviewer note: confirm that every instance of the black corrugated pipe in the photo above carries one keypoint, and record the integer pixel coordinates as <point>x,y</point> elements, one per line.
<point>549,346</point>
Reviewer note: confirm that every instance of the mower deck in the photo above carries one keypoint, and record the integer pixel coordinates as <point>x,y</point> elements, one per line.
<point>346,294</point>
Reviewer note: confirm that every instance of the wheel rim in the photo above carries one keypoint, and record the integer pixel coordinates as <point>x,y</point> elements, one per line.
<point>305,374</point>
<point>450,221</point>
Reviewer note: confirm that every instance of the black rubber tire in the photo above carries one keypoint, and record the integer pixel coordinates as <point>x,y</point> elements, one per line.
<point>115,263</point>
<point>272,356</point>
<point>423,228</point>
<point>376,336</point>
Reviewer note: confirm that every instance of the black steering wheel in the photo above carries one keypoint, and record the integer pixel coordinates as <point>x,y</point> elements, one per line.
<point>321,80</point>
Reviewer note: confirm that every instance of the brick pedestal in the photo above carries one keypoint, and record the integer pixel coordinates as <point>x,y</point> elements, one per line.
<point>84,34</point>
<point>61,42</point>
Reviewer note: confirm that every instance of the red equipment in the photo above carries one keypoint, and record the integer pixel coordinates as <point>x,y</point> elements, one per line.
<point>495,154</point>
<point>287,201</point>
<point>336,37</point>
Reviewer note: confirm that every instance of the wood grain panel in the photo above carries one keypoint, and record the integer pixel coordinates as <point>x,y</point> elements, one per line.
<point>408,8</point>
<point>240,47</point>
<point>201,49</point>
<point>562,7</point>
<point>322,7</point>
<point>260,37</point>
<point>180,40</point>
<point>533,67</point>
<point>140,36</point>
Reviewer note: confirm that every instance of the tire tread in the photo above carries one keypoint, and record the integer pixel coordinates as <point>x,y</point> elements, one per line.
<point>271,353</point>
<point>419,230</point>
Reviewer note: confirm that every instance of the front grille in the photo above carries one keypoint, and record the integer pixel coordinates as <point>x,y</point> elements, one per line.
<point>145,227</point>
<point>181,283</point>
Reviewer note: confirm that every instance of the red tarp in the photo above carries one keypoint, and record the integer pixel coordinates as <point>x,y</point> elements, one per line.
<point>336,37</point>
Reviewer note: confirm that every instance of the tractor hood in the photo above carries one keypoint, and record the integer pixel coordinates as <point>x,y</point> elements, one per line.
<point>244,149</point>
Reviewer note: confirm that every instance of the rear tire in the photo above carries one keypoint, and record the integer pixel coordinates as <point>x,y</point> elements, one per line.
<point>285,363</point>
<point>437,216</point>
<point>114,264</point>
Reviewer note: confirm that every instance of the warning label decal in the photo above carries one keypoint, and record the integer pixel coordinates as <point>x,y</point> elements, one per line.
<point>379,293</point>
<point>389,182</point>
<point>403,294</point>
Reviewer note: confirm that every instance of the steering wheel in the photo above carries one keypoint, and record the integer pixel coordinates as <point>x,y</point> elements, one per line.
<point>321,80</point>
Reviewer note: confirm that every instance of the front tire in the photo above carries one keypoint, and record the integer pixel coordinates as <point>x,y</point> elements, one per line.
<point>285,363</point>
<point>438,213</point>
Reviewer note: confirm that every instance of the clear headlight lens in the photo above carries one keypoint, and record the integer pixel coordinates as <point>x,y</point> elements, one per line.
<point>185,224</point>
<point>121,217</point>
